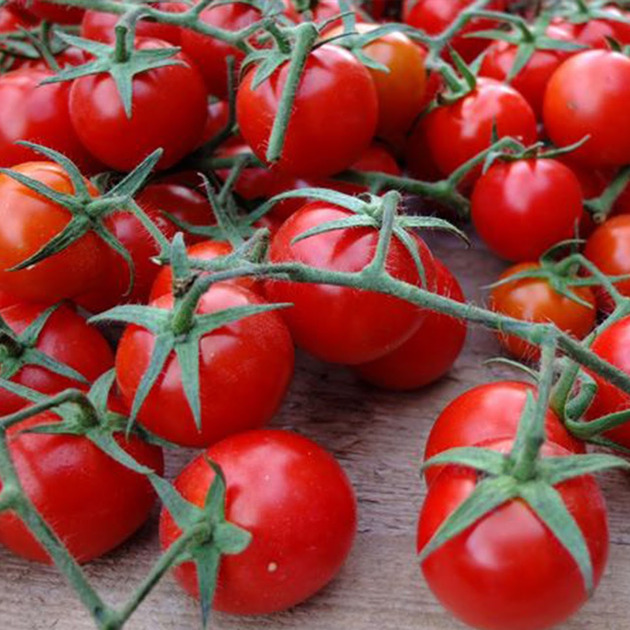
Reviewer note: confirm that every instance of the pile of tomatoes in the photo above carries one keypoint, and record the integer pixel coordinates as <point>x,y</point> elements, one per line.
<point>139,148</point>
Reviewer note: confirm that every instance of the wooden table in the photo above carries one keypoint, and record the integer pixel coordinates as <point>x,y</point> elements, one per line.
<point>378,438</point>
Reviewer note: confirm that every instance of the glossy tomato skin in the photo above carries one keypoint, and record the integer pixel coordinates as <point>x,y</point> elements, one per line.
<point>100,121</point>
<point>340,324</point>
<point>432,349</point>
<point>508,570</point>
<point>90,501</point>
<point>595,33</point>
<point>63,275</point>
<point>487,412</point>
<point>336,94</point>
<point>40,114</point>
<point>303,520</point>
<point>67,338</point>
<point>521,209</point>
<point>535,300</point>
<point>245,370</point>
<point>457,132</point>
<point>571,113</point>
<point>51,12</point>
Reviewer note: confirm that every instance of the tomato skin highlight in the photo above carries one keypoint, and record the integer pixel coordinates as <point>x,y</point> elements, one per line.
<point>336,93</point>
<point>429,353</point>
<point>302,519</point>
<point>92,502</point>
<point>340,324</point>
<point>245,370</point>
<point>521,209</point>
<point>508,571</point>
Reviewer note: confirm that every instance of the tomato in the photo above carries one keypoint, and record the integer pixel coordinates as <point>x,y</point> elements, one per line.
<point>521,209</point>
<point>324,10</point>
<point>457,132</point>
<point>27,223</point>
<point>532,80</point>
<point>340,324</point>
<point>435,16</point>
<point>218,118</point>
<point>90,501</point>
<point>487,412</point>
<point>333,119</point>
<point>100,121</point>
<point>431,351</point>
<point>572,113</point>
<point>206,250</point>
<point>595,32</point>
<point>57,13</point>
<point>303,519</point>
<point>68,339</point>
<point>508,570</point>
<point>612,345</point>
<point>401,90</point>
<point>37,113</point>
<point>245,370</point>
<point>608,248</point>
<point>12,19</point>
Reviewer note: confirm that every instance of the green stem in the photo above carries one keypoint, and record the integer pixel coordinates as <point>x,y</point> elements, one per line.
<point>390,205</point>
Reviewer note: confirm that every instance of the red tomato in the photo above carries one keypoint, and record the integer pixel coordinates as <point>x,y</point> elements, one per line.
<point>336,94</point>
<point>12,19</point>
<point>571,113</point>
<point>431,351</point>
<point>535,300</point>
<point>339,324</point>
<point>458,132</point>
<point>303,519</point>
<point>435,16</point>
<point>595,33</point>
<point>218,117</point>
<point>324,10</point>
<point>508,570</point>
<point>488,412</point>
<point>245,370</point>
<point>521,209</point>
<point>27,223</point>
<point>90,501</point>
<point>37,113</point>
<point>121,143</point>
<point>532,80</point>
<point>67,338</point>
<point>57,13</point>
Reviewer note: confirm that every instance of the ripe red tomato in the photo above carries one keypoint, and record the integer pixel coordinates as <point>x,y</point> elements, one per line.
<point>457,132</point>
<point>488,412</point>
<point>245,370</point>
<point>508,570</point>
<point>535,300</point>
<point>12,19</point>
<point>431,351</point>
<point>57,13</point>
<point>571,113</point>
<point>521,209</point>
<point>303,519</point>
<point>91,502</point>
<point>218,117</point>
<point>339,324</point>
<point>336,94</point>
<point>37,113</point>
<point>27,223</point>
<point>100,121</point>
<point>67,338</point>
<point>595,32</point>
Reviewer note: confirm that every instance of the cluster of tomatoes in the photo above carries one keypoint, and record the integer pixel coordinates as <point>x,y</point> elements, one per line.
<point>137,157</point>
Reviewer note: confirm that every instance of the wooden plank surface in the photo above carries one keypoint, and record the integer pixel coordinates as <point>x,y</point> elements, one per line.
<point>378,438</point>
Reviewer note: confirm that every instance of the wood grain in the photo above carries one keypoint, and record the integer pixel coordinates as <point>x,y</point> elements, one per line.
<point>378,437</point>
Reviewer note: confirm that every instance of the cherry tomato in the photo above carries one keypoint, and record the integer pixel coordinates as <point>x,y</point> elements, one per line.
<point>339,324</point>
<point>508,570</point>
<point>218,117</point>
<point>521,209</point>
<point>27,223</point>
<point>535,300</point>
<point>100,121</point>
<point>37,113</point>
<point>431,351</point>
<point>68,339</point>
<point>324,10</point>
<point>595,33</point>
<point>333,119</point>
<point>57,13</point>
<point>487,412</point>
<point>458,132</point>
<point>572,113</point>
<point>303,519</point>
<point>245,370</point>
<point>12,19</point>
<point>90,501</point>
